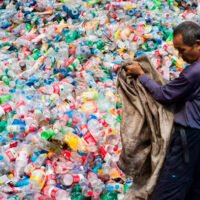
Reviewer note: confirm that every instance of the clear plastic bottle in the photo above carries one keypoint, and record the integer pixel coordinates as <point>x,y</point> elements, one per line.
<point>69,179</point>
<point>83,51</point>
<point>97,185</point>
<point>94,127</point>
<point>3,179</point>
<point>4,89</point>
<point>34,68</point>
<point>56,193</point>
<point>5,167</point>
<point>37,179</point>
<point>40,160</point>
<point>22,159</point>
<point>7,146</point>
<point>15,128</point>
<point>50,174</point>
<point>9,155</point>
<point>6,107</point>
<point>21,108</point>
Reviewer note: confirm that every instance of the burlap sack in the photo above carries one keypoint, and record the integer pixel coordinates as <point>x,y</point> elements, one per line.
<point>145,129</point>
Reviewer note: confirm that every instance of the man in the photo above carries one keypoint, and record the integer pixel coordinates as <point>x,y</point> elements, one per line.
<point>180,175</point>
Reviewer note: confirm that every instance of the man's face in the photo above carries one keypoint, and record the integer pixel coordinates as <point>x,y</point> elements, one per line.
<point>188,53</point>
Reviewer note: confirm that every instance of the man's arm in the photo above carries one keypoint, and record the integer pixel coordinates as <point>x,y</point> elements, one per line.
<point>172,92</point>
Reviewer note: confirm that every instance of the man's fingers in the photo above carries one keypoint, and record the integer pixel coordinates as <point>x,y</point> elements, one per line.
<point>128,71</point>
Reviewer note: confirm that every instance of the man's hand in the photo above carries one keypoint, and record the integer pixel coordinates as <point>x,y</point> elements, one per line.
<point>134,68</point>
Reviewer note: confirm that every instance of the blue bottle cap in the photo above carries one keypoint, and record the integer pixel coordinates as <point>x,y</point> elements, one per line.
<point>130,12</point>
<point>116,186</point>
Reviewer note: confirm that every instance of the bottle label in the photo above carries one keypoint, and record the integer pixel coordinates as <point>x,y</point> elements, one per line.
<point>67,154</point>
<point>134,37</point>
<point>76,178</point>
<point>39,177</point>
<point>11,154</point>
<point>12,128</point>
<point>6,107</point>
<point>115,67</point>
<point>102,151</point>
<point>71,105</point>
<point>51,177</point>
<point>89,138</point>
<point>33,126</point>
<point>20,103</point>
<point>140,28</point>
<point>13,144</point>
<point>52,192</point>
<point>29,169</point>
<point>56,89</point>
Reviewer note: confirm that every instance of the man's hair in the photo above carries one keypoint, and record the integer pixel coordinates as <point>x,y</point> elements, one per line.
<point>190,32</point>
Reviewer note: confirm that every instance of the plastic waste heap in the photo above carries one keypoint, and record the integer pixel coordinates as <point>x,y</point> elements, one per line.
<point>59,108</point>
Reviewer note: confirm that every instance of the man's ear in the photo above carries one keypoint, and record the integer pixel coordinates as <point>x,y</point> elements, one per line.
<point>198,44</point>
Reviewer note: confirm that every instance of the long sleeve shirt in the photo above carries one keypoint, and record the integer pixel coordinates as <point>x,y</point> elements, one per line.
<point>183,91</point>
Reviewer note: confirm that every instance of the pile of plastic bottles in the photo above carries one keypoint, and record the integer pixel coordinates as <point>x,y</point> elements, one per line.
<point>59,109</point>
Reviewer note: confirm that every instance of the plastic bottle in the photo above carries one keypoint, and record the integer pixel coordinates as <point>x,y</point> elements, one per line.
<point>96,183</point>
<point>6,107</point>
<point>4,98</point>
<point>7,146</point>
<point>9,155</point>
<point>21,108</point>
<point>55,193</point>
<point>35,67</point>
<point>76,192</point>
<point>46,134</point>
<point>50,174</point>
<point>74,142</point>
<point>22,159</point>
<point>40,160</point>
<point>109,196</point>
<point>5,167</point>
<point>94,126</point>
<point>37,179</point>
<point>69,179</point>
<point>3,179</point>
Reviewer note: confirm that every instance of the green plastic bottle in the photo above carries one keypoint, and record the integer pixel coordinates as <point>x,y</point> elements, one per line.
<point>76,192</point>
<point>3,124</point>
<point>76,188</point>
<point>109,196</point>
<point>4,98</point>
<point>27,27</point>
<point>47,133</point>
<point>170,2</point>
<point>5,80</point>
<point>157,3</point>
<point>70,36</point>
<point>89,43</point>
<point>170,36</point>
<point>35,55</point>
<point>92,2</point>
<point>100,45</point>
<point>3,44</point>
<point>119,104</point>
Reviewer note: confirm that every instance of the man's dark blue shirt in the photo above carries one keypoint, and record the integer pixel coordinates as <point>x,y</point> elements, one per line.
<point>184,91</point>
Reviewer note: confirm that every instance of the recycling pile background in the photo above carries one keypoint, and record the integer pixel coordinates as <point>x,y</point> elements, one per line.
<point>59,108</point>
